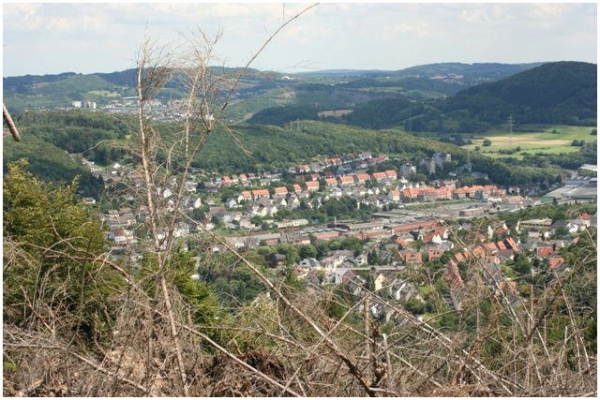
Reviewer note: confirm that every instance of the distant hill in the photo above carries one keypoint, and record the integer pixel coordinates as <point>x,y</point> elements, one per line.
<point>481,71</point>
<point>259,90</point>
<point>554,93</point>
<point>366,92</point>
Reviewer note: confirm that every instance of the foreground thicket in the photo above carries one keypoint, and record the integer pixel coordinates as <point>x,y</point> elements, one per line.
<point>78,323</point>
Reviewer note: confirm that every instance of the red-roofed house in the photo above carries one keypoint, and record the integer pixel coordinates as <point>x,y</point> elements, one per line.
<point>491,247</point>
<point>362,178</point>
<point>501,231</point>
<point>510,242</point>
<point>281,190</point>
<point>555,262</point>
<point>432,237</point>
<point>378,176</point>
<point>544,252</point>
<point>346,180</point>
<point>391,174</point>
<point>584,216</point>
<point>297,188</point>
<point>434,254</point>
<point>443,193</point>
<point>427,194</point>
<point>478,251</point>
<point>454,279</point>
<point>410,194</point>
<point>246,195</point>
<point>460,193</point>
<point>411,257</point>
<point>226,181</point>
<point>394,195</point>
<point>331,182</point>
<point>312,186</point>
<point>328,235</point>
<point>260,194</point>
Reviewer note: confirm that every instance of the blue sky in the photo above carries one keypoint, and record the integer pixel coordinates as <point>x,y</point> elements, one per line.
<point>52,38</point>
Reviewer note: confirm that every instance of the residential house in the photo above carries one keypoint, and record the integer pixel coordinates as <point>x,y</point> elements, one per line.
<point>231,203</point>
<point>335,259</point>
<point>379,176</point>
<point>427,194</point>
<point>361,178</point>
<point>346,180</point>
<point>411,257</point>
<point>443,193</point>
<point>460,193</point>
<point>280,203</point>
<point>280,191</point>
<point>556,262</point>
<point>511,243</point>
<point>544,252</point>
<point>312,186</point>
<point>293,202</point>
<point>402,290</point>
<point>331,182</point>
<point>379,282</point>
<point>434,254</point>
<point>260,194</point>
<point>394,195</point>
<point>391,175</point>
<point>246,195</point>
<point>410,193</point>
<point>309,263</point>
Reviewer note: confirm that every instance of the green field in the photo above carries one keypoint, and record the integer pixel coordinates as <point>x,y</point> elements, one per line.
<point>542,141</point>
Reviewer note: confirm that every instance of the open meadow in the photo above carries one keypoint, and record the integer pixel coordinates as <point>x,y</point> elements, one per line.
<point>550,140</point>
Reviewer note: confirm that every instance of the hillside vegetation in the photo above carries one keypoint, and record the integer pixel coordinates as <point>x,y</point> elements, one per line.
<point>553,93</point>
<point>242,148</point>
<point>556,93</point>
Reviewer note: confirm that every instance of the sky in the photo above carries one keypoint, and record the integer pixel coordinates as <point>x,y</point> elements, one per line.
<point>50,38</point>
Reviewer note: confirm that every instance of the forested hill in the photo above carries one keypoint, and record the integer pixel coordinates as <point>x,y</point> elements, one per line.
<point>554,93</point>
<point>104,139</point>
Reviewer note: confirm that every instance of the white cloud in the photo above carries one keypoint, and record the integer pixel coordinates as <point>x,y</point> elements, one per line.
<point>545,10</point>
<point>474,15</point>
<point>21,17</point>
<point>61,24</point>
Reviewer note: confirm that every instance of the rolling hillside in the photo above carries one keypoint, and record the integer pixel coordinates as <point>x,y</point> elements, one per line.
<point>563,92</point>
<point>259,90</point>
<point>553,93</point>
